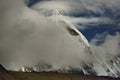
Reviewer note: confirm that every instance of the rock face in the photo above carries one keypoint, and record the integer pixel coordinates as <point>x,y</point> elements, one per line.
<point>2,68</point>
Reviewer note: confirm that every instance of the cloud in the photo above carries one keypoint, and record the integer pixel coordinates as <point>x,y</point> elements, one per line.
<point>28,38</point>
<point>79,6</point>
<point>92,11</point>
<point>83,22</point>
<point>109,48</point>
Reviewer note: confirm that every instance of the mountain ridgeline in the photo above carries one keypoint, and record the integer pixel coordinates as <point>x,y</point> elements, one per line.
<point>108,68</point>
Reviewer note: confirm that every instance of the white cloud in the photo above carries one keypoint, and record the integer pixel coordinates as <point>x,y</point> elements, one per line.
<point>82,22</point>
<point>96,6</point>
<point>109,48</point>
<point>89,21</point>
<point>27,38</point>
<point>81,7</point>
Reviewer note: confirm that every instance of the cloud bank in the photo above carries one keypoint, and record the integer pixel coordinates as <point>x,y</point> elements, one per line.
<point>28,38</point>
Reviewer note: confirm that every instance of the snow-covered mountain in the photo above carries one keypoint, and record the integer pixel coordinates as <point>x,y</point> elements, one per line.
<point>106,68</point>
<point>99,67</point>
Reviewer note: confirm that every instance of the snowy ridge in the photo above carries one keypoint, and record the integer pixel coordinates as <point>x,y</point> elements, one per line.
<point>81,36</point>
<point>108,68</point>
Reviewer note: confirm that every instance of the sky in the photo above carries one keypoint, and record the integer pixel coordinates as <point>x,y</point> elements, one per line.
<point>29,36</point>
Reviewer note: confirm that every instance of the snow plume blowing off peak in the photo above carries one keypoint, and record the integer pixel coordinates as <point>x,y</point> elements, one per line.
<point>28,38</point>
